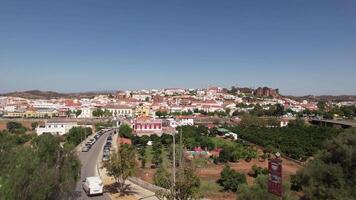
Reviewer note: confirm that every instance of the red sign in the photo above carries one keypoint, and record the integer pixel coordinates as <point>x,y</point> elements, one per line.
<point>275,177</point>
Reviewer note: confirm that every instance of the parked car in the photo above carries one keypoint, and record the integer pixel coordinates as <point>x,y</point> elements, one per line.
<point>93,186</point>
<point>86,148</point>
<point>105,157</point>
<point>106,153</point>
<point>88,144</point>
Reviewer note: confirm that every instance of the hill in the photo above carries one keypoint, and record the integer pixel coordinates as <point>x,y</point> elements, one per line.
<point>38,94</point>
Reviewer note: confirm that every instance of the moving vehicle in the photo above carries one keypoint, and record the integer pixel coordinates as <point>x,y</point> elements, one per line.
<point>93,186</point>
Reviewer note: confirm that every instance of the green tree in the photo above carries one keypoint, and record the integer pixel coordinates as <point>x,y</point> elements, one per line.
<point>34,125</point>
<point>162,178</point>
<point>44,170</point>
<point>256,171</point>
<point>15,127</point>
<point>77,134</point>
<point>248,120</point>
<point>259,191</point>
<point>78,112</point>
<point>142,152</point>
<point>125,131</point>
<point>157,153</point>
<point>321,105</point>
<point>122,165</point>
<point>98,113</point>
<point>331,175</point>
<point>186,186</point>
<point>230,179</point>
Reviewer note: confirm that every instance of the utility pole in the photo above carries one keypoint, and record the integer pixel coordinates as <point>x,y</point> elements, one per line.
<point>181,148</point>
<point>174,166</point>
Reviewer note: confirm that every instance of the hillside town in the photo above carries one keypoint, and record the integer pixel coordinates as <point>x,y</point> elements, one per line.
<point>159,111</point>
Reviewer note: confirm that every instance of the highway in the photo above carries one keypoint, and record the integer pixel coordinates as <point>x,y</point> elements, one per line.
<point>89,160</point>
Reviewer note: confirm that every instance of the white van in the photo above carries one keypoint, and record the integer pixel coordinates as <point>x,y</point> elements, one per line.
<point>93,186</point>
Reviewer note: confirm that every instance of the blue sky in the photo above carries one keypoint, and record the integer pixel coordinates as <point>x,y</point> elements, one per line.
<point>300,46</point>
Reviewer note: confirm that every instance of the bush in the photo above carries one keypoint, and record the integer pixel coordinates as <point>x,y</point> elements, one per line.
<point>256,171</point>
<point>161,178</point>
<point>331,175</point>
<point>230,179</point>
<point>15,127</point>
<point>125,131</point>
<point>77,134</point>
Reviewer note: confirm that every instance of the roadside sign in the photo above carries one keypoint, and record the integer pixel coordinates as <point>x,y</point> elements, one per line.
<point>275,177</point>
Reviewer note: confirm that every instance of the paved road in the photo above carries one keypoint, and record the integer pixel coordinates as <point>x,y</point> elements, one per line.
<point>89,161</point>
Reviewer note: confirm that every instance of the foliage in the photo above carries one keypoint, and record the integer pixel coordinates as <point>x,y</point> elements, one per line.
<point>273,110</point>
<point>157,153</point>
<point>186,185</point>
<point>161,113</point>
<point>101,113</point>
<point>125,131</point>
<point>34,125</point>
<point>138,141</point>
<point>162,178</point>
<point>142,153</point>
<point>15,127</point>
<point>102,125</point>
<point>342,111</point>
<point>43,171</point>
<point>233,152</point>
<point>77,112</point>
<point>259,191</point>
<point>256,171</point>
<point>230,179</point>
<point>296,141</point>
<point>122,165</point>
<point>248,120</point>
<point>331,175</point>
<point>78,134</point>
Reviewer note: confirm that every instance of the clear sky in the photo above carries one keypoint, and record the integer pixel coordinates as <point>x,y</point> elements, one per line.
<point>300,46</point>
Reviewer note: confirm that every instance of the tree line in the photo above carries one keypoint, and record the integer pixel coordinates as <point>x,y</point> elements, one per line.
<point>36,167</point>
<point>297,141</point>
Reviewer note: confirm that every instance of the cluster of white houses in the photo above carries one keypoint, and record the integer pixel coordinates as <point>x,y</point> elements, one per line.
<point>57,128</point>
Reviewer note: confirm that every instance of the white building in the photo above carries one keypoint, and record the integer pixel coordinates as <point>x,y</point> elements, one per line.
<point>56,128</point>
<point>141,96</point>
<point>185,120</point>
<point>86,113</point>
<point>120,110</point>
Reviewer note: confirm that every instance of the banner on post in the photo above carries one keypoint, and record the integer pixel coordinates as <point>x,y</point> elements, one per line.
<point>275,177</point>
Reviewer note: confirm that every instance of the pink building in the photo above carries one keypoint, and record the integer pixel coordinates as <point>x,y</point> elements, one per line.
<point>147,126</point>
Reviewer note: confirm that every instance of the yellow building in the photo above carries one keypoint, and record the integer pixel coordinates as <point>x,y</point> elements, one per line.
<point>40,113</point>
<point>142,111</point>
<point>15,114</point>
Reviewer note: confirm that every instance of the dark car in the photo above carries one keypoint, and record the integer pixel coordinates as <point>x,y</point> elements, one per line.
<point>88,144</point>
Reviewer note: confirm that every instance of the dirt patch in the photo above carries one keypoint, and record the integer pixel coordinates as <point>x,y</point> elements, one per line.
<point>212,174</point>
<point>25,123</point>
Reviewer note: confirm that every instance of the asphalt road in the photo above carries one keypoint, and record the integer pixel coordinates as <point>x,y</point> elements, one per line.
<point>89,160</point>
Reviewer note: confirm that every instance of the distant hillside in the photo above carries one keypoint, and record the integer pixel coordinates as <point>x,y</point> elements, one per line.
<point>38,94</point>
<point>337,98</point>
